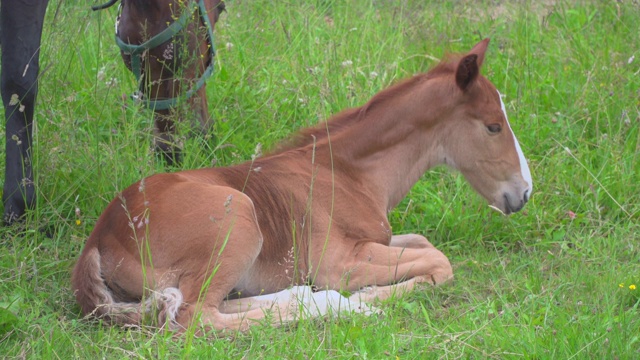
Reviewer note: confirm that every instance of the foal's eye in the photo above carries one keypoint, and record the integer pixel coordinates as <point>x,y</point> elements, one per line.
<point>494,128</point>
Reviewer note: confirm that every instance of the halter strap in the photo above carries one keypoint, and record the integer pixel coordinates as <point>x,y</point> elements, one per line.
<point>135,52</point>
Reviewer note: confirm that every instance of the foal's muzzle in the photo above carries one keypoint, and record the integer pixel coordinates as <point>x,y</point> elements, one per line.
<point>514,205</point>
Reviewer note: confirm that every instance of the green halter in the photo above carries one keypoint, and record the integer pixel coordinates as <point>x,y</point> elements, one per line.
<point>135,52</point>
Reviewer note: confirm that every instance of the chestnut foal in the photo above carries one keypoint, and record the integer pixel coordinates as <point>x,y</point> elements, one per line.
<point>219,246</point>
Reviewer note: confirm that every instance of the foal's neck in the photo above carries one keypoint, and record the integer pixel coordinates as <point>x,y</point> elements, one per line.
<point>395,143</point>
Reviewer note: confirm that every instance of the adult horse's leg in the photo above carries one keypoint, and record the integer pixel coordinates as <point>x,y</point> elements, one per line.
<point>22,29</point>
<point>195,115</point>
<point>203,123</point>
<point>164,138</point>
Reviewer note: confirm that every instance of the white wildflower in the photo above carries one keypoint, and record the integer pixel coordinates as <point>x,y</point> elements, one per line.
<point>168,52</point>
<point>14,100</point>
<point>101,73</point>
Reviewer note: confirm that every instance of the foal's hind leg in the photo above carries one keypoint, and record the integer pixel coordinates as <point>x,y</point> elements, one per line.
<point>221,263</point>
<point>298,302</point>
<point>204,241</point>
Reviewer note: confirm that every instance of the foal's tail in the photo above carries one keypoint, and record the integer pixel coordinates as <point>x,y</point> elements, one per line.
<point>96,299</point>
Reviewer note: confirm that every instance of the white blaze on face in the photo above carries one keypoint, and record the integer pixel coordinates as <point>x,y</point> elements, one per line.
<point>524,167</point>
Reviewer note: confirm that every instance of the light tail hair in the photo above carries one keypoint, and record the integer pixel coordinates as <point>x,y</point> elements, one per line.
<point>159,307</point>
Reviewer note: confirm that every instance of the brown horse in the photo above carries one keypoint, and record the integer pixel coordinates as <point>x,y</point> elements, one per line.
<point>204,246</point>
<point>168,45</point>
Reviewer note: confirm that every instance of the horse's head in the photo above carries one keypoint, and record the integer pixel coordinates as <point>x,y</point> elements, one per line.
<point>479,140</point>
<point>168,45</point>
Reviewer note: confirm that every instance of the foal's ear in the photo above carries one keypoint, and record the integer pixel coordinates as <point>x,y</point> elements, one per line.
<point>479,50</point>
<point>469,66</point>
<point>467,71</point>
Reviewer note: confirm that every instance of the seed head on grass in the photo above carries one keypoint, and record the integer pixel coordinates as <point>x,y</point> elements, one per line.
<point>15,99</point>
<point>168,52</point>
<point>227,203</point>
<point>288,263</point>
<point>257,152</point>
<point>111,82</point>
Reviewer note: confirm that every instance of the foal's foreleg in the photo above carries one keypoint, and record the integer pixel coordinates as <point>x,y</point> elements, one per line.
<point>377,264</point>
<point>370,294</point>
<point>410,241</point>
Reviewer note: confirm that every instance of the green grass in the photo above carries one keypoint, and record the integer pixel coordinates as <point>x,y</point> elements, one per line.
<point>539,284</point>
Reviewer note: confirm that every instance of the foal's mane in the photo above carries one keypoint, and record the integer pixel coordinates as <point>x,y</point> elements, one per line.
<point>352,116</point>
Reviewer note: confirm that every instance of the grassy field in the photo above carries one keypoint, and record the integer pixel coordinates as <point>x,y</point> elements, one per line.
<point>554,281</point>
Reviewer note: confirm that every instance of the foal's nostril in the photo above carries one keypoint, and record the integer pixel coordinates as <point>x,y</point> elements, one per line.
<point>526,196</point>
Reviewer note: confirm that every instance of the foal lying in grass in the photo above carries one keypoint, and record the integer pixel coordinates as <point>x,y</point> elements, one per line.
<point>207,245</point>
